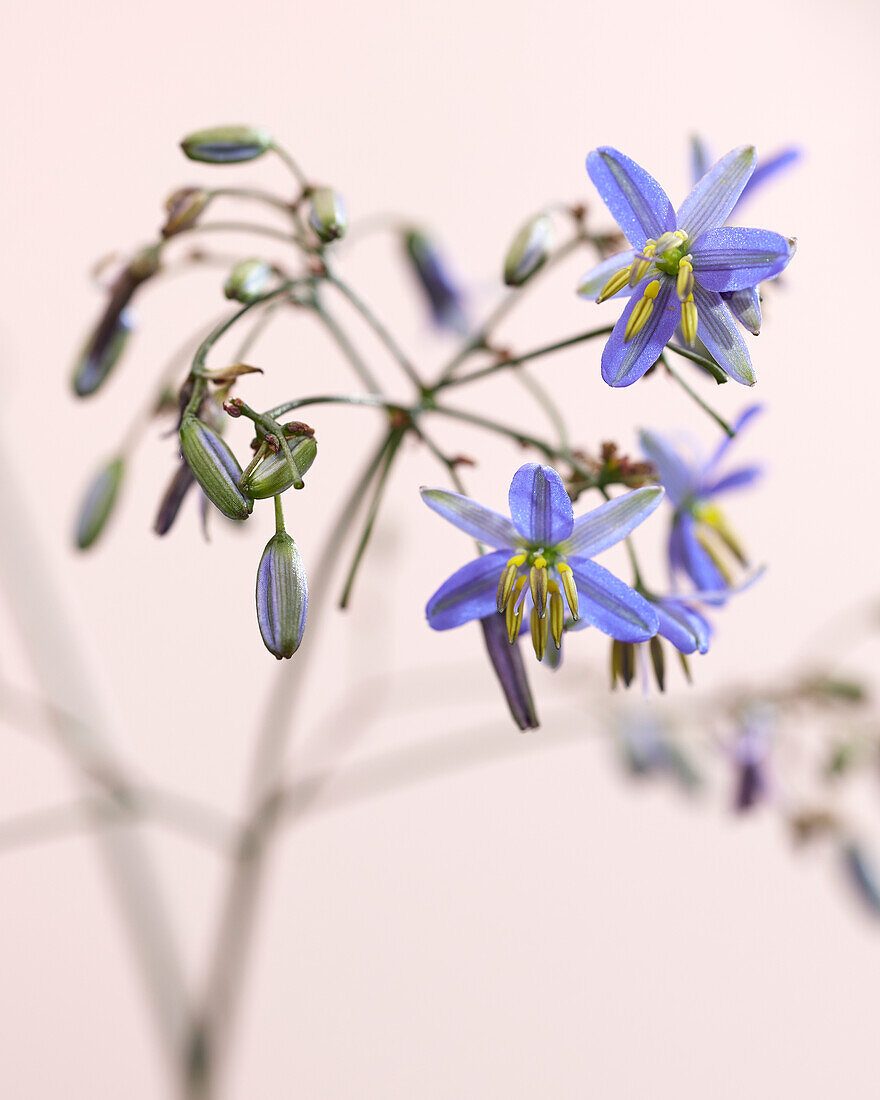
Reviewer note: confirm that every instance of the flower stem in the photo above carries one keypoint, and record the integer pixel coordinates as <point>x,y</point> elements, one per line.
<point>346,346</point>
<point>696,397</point>
<point>707,365</point>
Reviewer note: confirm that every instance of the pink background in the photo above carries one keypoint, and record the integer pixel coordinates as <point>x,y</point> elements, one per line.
<point>533,927</point>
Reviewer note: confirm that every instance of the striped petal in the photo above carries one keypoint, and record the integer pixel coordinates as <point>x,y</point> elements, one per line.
<point>472,518</point>
<point>637,201</point>
<point>540,506</point>
<point>728,258</point>
<point>745,305</point>
<point>684,627</point>
<point>713,198</point>
<point>624,362</point>
<point>470,593</point>
<point>610,522</point>
<point>717,329</point>
<point>613,607</point>
<point>591,284</point>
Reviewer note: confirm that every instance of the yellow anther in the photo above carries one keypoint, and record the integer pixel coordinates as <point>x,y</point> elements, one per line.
<point>615,283</point>
<point>689,320</point>
<point>685,282</point>
<point>569,587</point>
<point>508,577</point>
<point>639,316</point>
<point>714,518</point>
<point>640,265</point>
<point>514,611</point>
<point>557,614</point>
<point>538,581</point>
<point>540,629</point>
<point>667,241</point>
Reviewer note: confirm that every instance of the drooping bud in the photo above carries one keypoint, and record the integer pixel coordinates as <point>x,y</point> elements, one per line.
<point>248,280</point>
<point>215,468</point>
<point>863,875</point>
<point>170,504</point>
<point>282,596</point>
<point>184,208</point>
<point>529,250</point>
<point>227,144</point>
<point>98,503</point>
<point>509,668</point>
<point>274,475</point>
<point>328,215</point>
<point>444,296</point>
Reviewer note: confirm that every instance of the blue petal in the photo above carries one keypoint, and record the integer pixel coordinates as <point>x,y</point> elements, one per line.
<point>591,284</point>
<point>683,626</point>
<point>610,522</point>
<point>738,479</point>
<point>509,668</point>
<point>689,556</point>
<point>470,593</point>
<point>723,447</point>
<point>745,305</point>
<point>610,605</point>
<point>717,329</point>
<point>736,259</point>
<point>637,201</point>
<point>625,363</point>
<point>472,518</point>
<point>678,479</point>
<point>710,202</point>
<point>766,168</point>
<point>540,506</point>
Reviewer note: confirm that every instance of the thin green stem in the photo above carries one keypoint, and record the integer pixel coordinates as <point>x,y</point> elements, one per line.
<point>254,193</point>
<point>346,346</point>
<point>370,399</point>
<point>707,365</point>
<point>696,397</point>
<point>235,227</point>
<point>299,174</point>
<point>523,438</point>
<point>279,516</point>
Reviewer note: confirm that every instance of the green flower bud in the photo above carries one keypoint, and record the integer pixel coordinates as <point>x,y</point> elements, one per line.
<point>227,144</point>
<point>530,248</point>
<point>248,280</point>
<point>282,596</point>
<point>328,215</point>
<point>215,468</point>
<point>274,475</point>
<point>184,208</point>
<point>98,503</point>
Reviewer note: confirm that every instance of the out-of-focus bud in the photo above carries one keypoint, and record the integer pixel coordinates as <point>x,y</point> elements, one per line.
<point>215,468</point>
<point>227,144</point>
<point>107,341</point>
<point>248,280</point>
<point>863,875</point>
<point>184,208</point>
<point>444,295</point>
<point>508,664</point>
<point>282,596</point>
<point>328,215</point>
<point>170,504</point>
<point>274,475</point>
<point>530,248</point>
<point>98,503</point>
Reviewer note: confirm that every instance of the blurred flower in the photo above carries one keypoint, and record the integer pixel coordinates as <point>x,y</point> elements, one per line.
<point>445,296</point>
<point>679,265</point>
<point>541,553</point>
<point>862,873</point>
<point>750,753</point>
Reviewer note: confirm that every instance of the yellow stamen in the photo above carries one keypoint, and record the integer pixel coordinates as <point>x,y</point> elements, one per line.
<point>641,263</point>
<point>685,282</point>
<point>639,316</point>
<point>540,629</point>
<point>569,587</point>
<point>538,584</point>
<point>508,577</point>
<point>514,612</point>
<point>557,614</point>
<point>615,283</point>
<point>689,320</point>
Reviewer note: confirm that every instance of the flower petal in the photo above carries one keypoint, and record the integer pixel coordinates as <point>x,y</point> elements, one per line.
<point>738,479</point>
<point>636,200</point>
<point>736,259</point>
<point>687,554</point>
<point>508,664</point>
<point>611,522</point>
<point>610,605</point>
<point>767,167</point>
<point>470,593</point>
<point>591,284</point>
<point>717,329</point>
<point>700,159</point>
<point>472,518</point>
<point>745,305</point>
<point>539,505</point>
<point>723,447</point>
<point>677,478</point>
<point>683,626</point>
<point>625,362</point>
<point>710,202</point>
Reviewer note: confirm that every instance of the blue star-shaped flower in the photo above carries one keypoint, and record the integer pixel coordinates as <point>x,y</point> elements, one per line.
<point>541,562</point>
<point>680,264</point>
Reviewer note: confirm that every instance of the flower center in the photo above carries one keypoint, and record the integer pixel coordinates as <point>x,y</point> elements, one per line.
<point>543,575</point>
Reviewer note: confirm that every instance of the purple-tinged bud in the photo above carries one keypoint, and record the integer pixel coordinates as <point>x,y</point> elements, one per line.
<point>98,503</point>
<point>444,295</point>
<point>328,215</point>
<point>227,144</point>
<point>510,669</point>
<point>863,875</point>
<point>274,475</point>
<point>215,468</point>
<point>184,208</point>
<point>751,756</point>
<point>248,280</point>
<point>529,250</point>
<point>282,596</point>
<point>170,504</point>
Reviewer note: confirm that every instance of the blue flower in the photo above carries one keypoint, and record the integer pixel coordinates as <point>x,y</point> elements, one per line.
<point>700,538</point>
<point>679,265</point>
<point>541,562</point>
<point>445,297</point>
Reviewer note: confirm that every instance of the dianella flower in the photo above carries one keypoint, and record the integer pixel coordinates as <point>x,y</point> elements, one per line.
<point>679,265</point>
<point>701,544</point>
<point>541,568</point>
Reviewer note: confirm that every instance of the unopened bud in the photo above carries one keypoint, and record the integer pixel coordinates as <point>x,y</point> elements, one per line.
<point>169,506</point>
<point>530,248</point>
<point>443,293</point>
<point>274,475</point>
<point>328,215</point>
<point>282,596</point>
<point>215,468</point>
<point>248,280</point>
<point>98,503</point>
<point>184,209</point>
<point>227,144</point>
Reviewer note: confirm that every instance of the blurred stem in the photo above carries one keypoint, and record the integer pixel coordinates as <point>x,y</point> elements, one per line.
<point>292,164</point>
<point>696,397</point>
<point>346,346</point>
